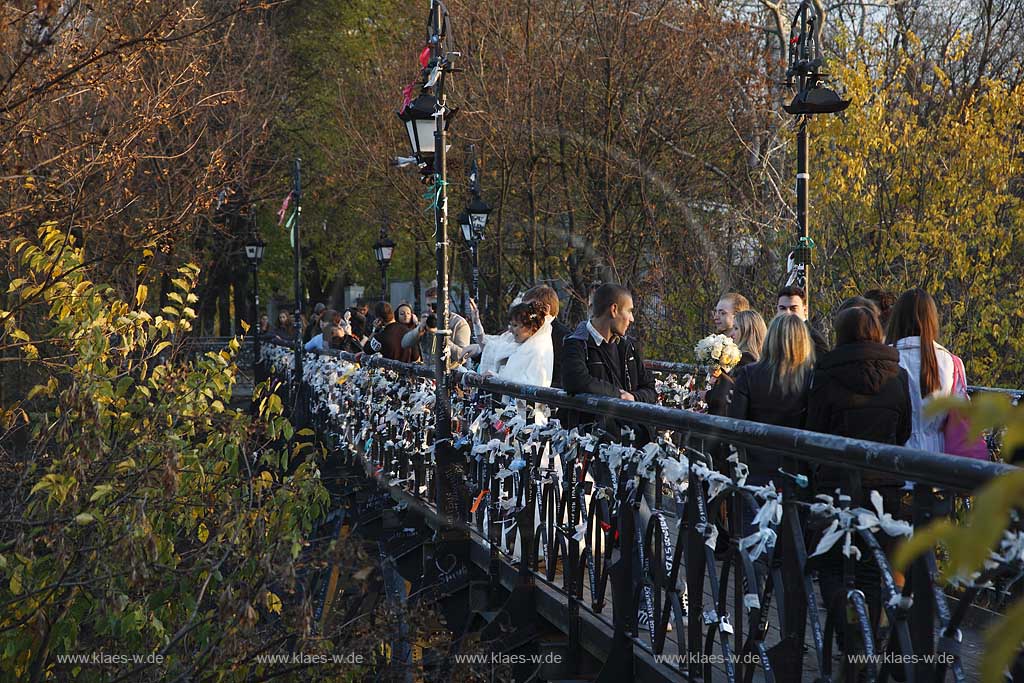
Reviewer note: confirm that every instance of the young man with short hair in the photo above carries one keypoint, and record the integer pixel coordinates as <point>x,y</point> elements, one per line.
<point>598,358</point>
<point>793,301</point>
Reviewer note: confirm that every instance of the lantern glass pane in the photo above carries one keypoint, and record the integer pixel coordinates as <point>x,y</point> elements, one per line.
<point>410,130</point>
<point>425,130</point>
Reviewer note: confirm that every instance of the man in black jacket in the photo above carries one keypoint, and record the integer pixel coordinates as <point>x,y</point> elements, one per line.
<point>597,358</point>
<point>793,301</point>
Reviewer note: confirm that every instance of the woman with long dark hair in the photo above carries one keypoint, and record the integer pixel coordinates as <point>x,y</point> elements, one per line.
<point>914,330</point>
<point>284,330</point>
<point>405,316</point>
<point>860,391</point>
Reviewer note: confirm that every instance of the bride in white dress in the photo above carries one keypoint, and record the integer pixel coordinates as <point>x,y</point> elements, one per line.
<point>524,353</point>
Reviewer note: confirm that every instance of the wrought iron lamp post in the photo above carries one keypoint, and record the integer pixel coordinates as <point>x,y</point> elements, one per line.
<point>254,253</point>
<point>812,97</point>
<point>426,119</point>
<point>473,221</point>
<point>383,250</point>
<point>429,113</point>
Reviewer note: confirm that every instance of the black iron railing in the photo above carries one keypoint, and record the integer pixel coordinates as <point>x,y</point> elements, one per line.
<point>672,368</point>
<point>671,545</point>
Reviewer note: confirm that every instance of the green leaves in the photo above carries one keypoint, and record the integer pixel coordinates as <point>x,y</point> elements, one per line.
<point>137,481</point>
<point>57,486</point>
<point>970,545</point>
<point>101,491</point>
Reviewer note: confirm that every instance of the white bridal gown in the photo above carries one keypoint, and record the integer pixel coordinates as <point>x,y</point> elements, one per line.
<point>529,362</point>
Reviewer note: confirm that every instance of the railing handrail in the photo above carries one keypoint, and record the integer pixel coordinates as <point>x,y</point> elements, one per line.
<point>690,368</point>
<point>933,469</point>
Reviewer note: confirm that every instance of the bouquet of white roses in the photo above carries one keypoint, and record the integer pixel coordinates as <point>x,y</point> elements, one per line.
<point>718,351</point>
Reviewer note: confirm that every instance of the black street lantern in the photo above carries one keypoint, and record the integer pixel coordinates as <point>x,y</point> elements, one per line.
<point>420,125</point>
<point>467,227</point>
<point>478,211</point>
<point>254,252</point>
<point>384,249</point>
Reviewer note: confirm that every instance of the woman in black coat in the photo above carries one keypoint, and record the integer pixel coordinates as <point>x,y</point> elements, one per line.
<point>748,331</point>
<point>858,390</point>
<point>774,389</point>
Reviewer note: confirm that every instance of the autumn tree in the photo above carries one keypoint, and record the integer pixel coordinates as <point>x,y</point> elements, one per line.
<point>921,189</point>
<point>124,122</point>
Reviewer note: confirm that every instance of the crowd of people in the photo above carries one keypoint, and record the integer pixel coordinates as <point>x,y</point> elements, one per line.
<point>874,382</point>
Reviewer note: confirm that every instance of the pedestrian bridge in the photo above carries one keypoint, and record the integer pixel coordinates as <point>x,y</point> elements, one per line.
<point>621,563</point>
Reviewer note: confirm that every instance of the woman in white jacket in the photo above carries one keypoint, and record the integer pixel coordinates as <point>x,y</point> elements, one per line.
<point>524,353</point>
<point>913,329</point>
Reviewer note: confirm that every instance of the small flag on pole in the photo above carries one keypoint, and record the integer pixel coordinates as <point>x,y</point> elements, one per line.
<point>284,209</point>
<point>407,96</point>
<point>290,227</point>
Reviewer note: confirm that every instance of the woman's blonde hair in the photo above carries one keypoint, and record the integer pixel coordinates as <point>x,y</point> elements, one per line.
<point>789,352</point>
<point>750,332</point>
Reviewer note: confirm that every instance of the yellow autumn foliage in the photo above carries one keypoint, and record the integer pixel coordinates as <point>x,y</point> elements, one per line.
<point>918,184</point>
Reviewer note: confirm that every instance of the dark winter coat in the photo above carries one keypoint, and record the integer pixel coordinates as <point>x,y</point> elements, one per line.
<point>860,391</point>
<point>754,398</point>
<point>719,395</point>
<point>559,331</point>
<point>820,343</point>
<point>605,370</point>
<point>388,343</point>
